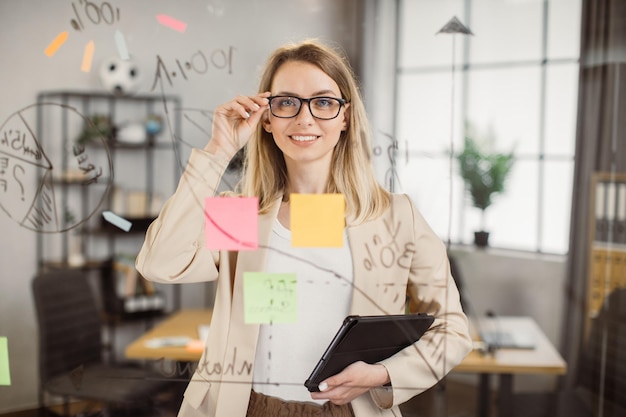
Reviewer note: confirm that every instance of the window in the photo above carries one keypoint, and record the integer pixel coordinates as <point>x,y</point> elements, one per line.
<point>515,79</point>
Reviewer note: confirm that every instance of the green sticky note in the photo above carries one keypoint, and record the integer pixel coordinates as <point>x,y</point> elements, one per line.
<point>5,374</point>
<point>317,220</point>
<point>270,298</point>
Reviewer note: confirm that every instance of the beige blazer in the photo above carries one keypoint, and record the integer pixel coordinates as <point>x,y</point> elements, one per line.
<point>393,256</point>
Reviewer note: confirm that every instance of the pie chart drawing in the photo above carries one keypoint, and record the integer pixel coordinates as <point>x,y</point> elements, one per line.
<point>40,189</point>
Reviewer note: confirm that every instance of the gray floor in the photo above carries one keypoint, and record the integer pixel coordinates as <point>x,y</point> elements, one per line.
<point>454,399</point>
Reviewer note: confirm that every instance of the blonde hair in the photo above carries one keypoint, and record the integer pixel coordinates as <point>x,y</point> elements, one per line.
<point>352,172</point>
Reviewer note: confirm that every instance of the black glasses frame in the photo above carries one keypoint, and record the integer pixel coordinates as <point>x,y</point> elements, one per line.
<point>342,102</point>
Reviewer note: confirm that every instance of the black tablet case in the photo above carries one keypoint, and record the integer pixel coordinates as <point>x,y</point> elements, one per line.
<point>369,339</point>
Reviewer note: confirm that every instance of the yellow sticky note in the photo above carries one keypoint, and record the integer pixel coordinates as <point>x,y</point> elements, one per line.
<point>317,220</point>
<point>5,374</point>
<point>270,298</point>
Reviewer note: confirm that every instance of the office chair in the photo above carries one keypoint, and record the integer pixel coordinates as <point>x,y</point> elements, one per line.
<point>71,363</point>
<point>600,383</point>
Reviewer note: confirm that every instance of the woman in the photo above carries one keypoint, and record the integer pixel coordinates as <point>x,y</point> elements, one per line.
<point>306,132</point>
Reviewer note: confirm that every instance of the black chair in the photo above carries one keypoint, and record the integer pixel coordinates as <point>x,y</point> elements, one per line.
<point>600,383</point>
<point>71,351</point>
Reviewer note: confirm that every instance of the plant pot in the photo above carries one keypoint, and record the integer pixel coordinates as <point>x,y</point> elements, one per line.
<point>481,239</point>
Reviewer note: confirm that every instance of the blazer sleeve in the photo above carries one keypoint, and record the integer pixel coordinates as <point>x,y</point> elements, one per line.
<point>431,289</point>
<point>174,248</point>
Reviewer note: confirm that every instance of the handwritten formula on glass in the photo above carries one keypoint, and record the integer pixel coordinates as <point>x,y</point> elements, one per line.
<point>199,63</point>
<point>270,298</point>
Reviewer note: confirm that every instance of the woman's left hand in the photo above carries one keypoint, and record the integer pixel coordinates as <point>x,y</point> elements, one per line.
<point>353,381</point>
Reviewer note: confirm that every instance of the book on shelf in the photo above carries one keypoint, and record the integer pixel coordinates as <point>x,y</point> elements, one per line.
<point>129,281</point>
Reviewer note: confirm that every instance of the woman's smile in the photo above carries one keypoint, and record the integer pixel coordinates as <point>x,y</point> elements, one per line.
<point>303,138</point>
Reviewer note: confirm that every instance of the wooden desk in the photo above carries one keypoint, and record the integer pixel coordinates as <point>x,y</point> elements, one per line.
<point>181,323</point>
<point>544,359</point>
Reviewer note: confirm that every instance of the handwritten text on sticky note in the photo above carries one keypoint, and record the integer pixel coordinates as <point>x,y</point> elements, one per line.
<point>270,298</point>
<point>317,220</point>
<point>231,223</point>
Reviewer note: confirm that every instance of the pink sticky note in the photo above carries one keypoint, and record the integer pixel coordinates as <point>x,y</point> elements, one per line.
<point>171,23</point>
<point>231,223</point>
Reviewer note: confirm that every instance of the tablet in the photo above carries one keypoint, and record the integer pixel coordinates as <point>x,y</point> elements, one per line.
<point>369,339</point>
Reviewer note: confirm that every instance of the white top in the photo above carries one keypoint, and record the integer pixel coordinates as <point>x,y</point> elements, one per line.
<point>287,352</point>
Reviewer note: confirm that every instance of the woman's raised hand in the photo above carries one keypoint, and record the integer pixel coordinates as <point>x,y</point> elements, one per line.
<point>234,122</point>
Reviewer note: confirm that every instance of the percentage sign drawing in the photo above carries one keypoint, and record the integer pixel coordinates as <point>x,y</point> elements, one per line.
<point>95,14</point>
<point>77,23</point>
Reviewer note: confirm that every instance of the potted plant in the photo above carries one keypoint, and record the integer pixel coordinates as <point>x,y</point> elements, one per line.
<point>98,126</point>
<point>484,174</point>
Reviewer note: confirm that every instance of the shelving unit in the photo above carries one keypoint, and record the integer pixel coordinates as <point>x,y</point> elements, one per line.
<point>607,231</point>
<point>127,169</point>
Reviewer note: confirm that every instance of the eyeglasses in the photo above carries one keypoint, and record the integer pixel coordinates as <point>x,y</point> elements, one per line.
<point>324,108</point>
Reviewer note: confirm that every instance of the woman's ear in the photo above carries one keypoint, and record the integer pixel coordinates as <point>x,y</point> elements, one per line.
<point>266,124</point>
<point>346,118</point>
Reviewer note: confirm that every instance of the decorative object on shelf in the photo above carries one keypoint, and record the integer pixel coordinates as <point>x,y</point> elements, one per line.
<point>154,124</point>
<point>121,77</point>
<point>97,126</point>
<point>100,126</point>
<point>75,256</point>
<point>484,174</point>
<point>133,133</point>
<point>69,216</point>
<point>139,133</point>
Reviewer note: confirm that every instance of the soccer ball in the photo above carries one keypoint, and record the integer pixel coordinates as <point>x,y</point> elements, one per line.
<point>120,76</point>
